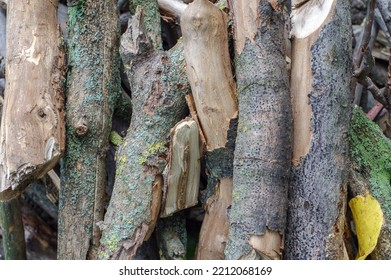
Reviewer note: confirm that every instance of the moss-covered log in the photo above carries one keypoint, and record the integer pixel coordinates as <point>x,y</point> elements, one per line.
<point>158,83</point>
<point>320,85</point>
<point>93,86</point>
<point>205,38</point>
<point>32,131</point>
<point>370,153</point>
<point>263,144</point>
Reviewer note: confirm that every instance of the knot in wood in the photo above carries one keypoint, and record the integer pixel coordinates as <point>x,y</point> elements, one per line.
<point>41,113</point>
<point>81,127</point>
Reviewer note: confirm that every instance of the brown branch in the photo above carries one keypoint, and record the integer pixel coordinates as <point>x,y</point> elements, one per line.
<point>366,36</point>
<point>372,114</point>
<point>377,93</point>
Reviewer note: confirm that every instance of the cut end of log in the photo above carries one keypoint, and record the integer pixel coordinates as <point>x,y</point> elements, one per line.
<point>184,168</point>
<point>308,16</point>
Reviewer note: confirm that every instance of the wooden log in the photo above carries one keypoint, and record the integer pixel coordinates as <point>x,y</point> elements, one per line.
<point>205,38</point>
<point>158,84</point>
<point>2,55</point>
<point>184,167</point>
<point>172,237</point>
<point>370,154</point>
<point>32,131</point>
<point>263,145</point>
<point>320,86</point>
<point>172,7</point>
<point>2,43</point>
<point>92,92</point>
<point>14,244</point>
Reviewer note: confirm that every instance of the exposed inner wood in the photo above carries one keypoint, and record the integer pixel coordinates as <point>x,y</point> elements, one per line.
<point>301,75</point>
<point>214,92</point>
<point>214,232</point>
<point>184,168</point>
<point>157,189</point>
<point>32,130</point>
<point>173,7</point>
<point>300,88</point>
<point>309,15</point>
<point>268,245</point>
<point>245,25</point>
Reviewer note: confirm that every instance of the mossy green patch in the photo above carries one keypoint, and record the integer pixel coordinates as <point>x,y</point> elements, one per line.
<point>115,138</point>
<point>371,150</point>
<point>154,149</point>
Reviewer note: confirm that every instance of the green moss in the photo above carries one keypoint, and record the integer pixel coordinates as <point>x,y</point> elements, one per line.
<point>154,149</point>
<point>115,138</point>
<point>371,150</point>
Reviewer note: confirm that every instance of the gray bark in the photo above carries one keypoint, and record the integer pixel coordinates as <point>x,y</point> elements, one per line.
<point>317,193</point>
<point>263,144</point>
<point>158,84</point>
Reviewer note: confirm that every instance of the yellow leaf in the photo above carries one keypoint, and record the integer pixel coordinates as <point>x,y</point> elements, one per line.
<point>368,219</point>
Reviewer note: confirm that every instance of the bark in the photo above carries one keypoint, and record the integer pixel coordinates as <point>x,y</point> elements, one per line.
<point>92,91</point>
<point>370,153</point>
<point>205,38</point>
<point>320,84</point>
<point>32,137</point>
<point>172,237</point>
<point>14,245</point>
<point>263,144</point>
<point>158,84</point>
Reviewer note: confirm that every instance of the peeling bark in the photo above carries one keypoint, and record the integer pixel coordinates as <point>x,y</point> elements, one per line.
<point>158,83</point>
<point>205,38</point>
<point>263,144</point>
<point>321,76</point>
<point>32,130</point>
<point>92,91</point>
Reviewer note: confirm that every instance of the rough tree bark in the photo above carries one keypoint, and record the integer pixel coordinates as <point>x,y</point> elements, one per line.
<point>14,244</point>
<point>32,130</point>
<point>263,144</point>
<point>158,84</point>
<point>205,38</point>
<point>92,91</point>
<point>320,85</point>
